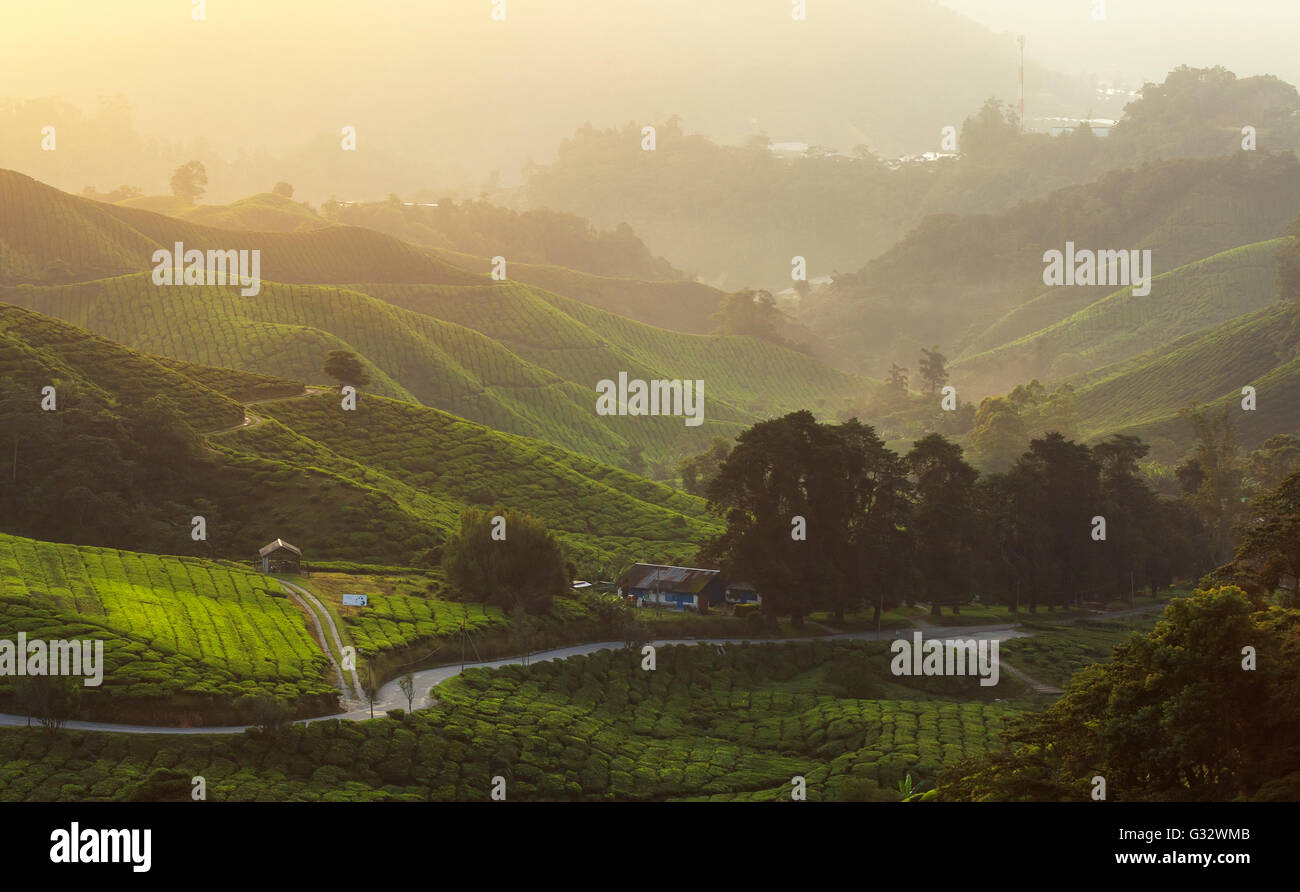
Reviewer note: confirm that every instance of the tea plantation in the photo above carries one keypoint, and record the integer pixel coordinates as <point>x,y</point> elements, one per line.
<point>176,631</point>
<point>733,723</point>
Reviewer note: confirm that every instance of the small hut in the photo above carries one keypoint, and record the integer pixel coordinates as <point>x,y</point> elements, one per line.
<point>280,557</point>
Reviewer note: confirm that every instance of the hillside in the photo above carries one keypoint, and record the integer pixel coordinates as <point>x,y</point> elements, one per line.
<point>436,464</point>
<point>1143,395</point>
<point>1120,325</point>
<point>264,212</point>
<point>50,236</point>
<point>540,236</point>
<point>182,637</point>
<point>953,276</point>
<point>122,463</point>
<point>439,346</point>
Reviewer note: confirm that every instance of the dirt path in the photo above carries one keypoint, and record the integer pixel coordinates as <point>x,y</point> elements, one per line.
<point>1034,684</point>
<point>350,691</point>
<point>252,420</point>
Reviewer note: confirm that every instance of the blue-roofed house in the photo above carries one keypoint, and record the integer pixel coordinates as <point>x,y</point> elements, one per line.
<point>675,587</point>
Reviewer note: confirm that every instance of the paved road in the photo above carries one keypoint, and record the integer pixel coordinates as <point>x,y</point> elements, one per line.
<point>391,697</point>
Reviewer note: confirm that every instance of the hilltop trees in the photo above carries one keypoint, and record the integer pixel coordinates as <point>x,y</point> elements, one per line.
<point>346,368</point>
<point>189,181</point>
<point>698,471</point>
<point>752,313</point>
<point>505,557</point>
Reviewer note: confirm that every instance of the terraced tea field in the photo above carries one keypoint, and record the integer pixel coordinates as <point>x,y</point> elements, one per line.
<point>735,724</point>
<point>176,631</point>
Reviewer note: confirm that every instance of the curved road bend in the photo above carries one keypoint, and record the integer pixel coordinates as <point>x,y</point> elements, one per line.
<point>390,695</point>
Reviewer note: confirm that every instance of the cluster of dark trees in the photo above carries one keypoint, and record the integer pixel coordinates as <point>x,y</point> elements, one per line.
<point>825,517</point>
<point>505,557</point>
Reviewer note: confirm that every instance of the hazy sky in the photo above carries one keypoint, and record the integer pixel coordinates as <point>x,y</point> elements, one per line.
<point>440,82</point>
<point>1143,39</point>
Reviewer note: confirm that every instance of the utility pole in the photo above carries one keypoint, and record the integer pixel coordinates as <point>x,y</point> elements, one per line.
<point>1021,41</point>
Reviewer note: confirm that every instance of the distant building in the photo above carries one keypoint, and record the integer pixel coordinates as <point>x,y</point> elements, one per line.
<point>676,587</point>
<point>280,557</point>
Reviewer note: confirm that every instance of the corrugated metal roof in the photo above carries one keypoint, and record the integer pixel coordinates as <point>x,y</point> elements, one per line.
<point>667,579</point>
<point>276,546</point>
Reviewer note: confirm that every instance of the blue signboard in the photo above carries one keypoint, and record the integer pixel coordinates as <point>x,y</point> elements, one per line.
<point>354,600</point>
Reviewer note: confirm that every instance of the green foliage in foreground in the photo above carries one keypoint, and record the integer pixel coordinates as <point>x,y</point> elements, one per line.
<point>1182,713</point>
<point>732,725</point>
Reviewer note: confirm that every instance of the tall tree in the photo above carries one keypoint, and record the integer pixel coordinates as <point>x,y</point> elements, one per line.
<point>698,471</point>
<point>933,369</point>
<point>776,534</point>
<point>1218,498</point>
<point>943,521</point>
<point>998,436</point>
<point>1132,513</point>
<point>189,181</point>
<point>1058,492</point>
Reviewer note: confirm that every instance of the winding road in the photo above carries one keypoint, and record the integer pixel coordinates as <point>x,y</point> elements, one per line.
<point>390,696</point>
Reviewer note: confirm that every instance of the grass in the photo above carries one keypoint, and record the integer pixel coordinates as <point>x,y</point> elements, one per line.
<point>435,464</point>
<point>380,485</point>
<point>1143,395</point>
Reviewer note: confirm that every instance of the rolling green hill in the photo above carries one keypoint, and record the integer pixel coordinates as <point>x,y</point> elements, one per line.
<point>50,236</point>
<point>1120,325</point>
<point>257,213</point>
<point>181,635</point>
<point>114,466</point>
<point>437,464</point>
<point>531,367</point>
<point>953,276</point>
<point>1143,395</point>
<point>678,305</point>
